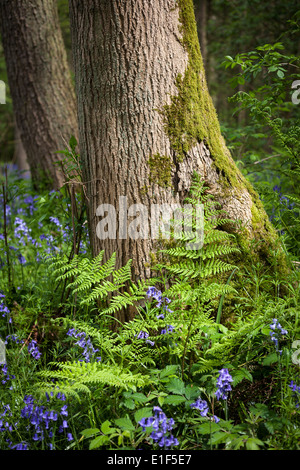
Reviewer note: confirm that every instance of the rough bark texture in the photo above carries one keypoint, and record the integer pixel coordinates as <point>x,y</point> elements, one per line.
<point>40,83</point>
<point>146,120</point>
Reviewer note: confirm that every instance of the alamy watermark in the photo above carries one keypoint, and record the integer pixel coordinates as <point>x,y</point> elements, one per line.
<point>159,221</point>
<point>296,93</point>
<point>2,92</point>
<point>2,352</point>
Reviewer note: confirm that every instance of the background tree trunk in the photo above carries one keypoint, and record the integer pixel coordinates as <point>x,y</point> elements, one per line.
<point>40,83</point>
<point>20,158</point>
<point>146,119</point>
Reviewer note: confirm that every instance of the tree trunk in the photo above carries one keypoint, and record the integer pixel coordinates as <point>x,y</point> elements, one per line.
<point>201,21</point>
<point>40,83</point>
<point>20,158</point>
<point>146,119</point>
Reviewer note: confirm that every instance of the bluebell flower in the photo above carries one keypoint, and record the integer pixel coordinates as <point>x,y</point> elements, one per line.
<point>161,427</point>
<point>41,419</point>
<point>33,349</point>
<point>142,335</point>
<point>223,384</point>
<point>21,259</point>
<point>85,343</point>
<point>296,389</point>
<point>276,333</point>
<point>156,294</point>
<point>202,406</point>
<point>55,221</point>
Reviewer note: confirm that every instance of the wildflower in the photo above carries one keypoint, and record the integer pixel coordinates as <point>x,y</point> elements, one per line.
<point>142,335</point>
<point>223,384</point>
<point>85,343</point>
<point>63,411</point>
<point>202,406</point>
<point>157,295</point>
<point>33,349</point>
<point>3,308</point>
<point>277,330</point>
<point>55,221</point>
<point>20,446</point>
<point>41,419</point>
<point>161,427</point>
<point>296,389</point>
<point>21,259</point>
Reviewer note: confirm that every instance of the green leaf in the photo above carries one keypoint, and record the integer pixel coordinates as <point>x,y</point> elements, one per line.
<point>106,429</point>
<point>218,437</point>
<point>266,331</point>
<point>129,403</point>
<point>241,374</point>
<point>253,443</point>
<point>176,386</point>
<point>98,442</point>
<point>174,400</point>
<point>125,424</point>
<point>270,359</point>
<point>73,142</point>
<point>191,392</point>
<point>167,371</point>
<point>207,428</point>
<point>139,397</point>
<point>145,412</point>
<point>90,432</point>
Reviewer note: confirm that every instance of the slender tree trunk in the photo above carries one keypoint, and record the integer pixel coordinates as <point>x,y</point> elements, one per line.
<point>20,157</point>
<point>201,21</point>
<point>146,120</point>
<point>40,83</point>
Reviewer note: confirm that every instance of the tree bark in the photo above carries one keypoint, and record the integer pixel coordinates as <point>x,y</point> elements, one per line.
<point>20,158</point>
<point>146,119</point>
<point>40,83</point>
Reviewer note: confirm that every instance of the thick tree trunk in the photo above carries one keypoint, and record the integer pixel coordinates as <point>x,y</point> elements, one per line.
<point>146,120</point>
<point>40,83</point>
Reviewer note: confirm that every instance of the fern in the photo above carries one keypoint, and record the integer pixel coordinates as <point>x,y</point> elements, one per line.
<point>72,378</point>
<point>91,280</point>
<point>187,268</point>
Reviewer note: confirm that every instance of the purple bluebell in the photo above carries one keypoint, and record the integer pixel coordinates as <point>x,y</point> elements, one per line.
<point>223,384</point>
<point>161,427</point>
<point>85,343</point>
<point>276,332</point>
<point>34,350</point>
